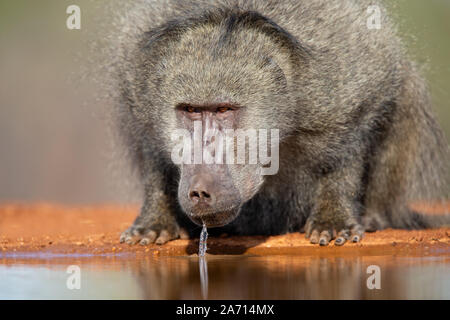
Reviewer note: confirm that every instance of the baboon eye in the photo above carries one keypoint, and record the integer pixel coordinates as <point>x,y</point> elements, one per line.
<point>190,109</point>
<point>223,109</point>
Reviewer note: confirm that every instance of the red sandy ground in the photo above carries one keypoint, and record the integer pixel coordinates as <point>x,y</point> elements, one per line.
<point>96,230</point>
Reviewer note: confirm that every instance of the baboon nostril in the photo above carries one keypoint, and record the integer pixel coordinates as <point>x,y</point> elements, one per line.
<point>194,194</point>
<point>202,190</point>
<point>205,194</point>
<point>200,196</point>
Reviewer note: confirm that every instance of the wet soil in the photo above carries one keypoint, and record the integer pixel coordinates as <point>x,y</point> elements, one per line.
<point>54,229</point>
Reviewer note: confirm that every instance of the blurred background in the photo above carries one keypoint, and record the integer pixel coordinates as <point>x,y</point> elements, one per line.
<point>54,142</point>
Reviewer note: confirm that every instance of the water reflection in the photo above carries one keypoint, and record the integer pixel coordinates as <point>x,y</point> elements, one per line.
<point>230,277</point>
<point>203,266</point>
<point>293,278</point>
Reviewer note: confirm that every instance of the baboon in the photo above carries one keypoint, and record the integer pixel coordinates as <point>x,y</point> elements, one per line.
<point>358,141</point>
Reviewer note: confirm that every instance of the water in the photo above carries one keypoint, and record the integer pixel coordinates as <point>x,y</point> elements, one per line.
<point>203,267</point>
<point>224,277</point>
<point>202,263</point>
<point>202,247</point>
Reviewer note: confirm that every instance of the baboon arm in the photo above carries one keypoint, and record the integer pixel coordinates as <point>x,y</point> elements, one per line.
<point>337,209</point>
<point>156,221</point>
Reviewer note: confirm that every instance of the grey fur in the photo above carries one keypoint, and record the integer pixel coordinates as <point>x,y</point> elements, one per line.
<point>359,141</point>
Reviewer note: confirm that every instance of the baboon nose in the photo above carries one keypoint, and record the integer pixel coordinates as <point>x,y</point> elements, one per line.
<point>199,194</point>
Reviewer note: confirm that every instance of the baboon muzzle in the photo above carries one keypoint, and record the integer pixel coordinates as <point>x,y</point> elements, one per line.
<point>207,194</point>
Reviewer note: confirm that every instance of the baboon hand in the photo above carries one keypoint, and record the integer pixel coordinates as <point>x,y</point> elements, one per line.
<point>158,233</point>
<point>323,232</point>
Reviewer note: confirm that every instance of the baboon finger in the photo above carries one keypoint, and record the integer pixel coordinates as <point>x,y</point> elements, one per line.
<point>149,238</point>
<point>131,240</point>
<point>339,241</point>
<point>325,238</point>
<point>357,234</point>
<point>314,239</point>
<point>342,237</point>
<point>164,236</point>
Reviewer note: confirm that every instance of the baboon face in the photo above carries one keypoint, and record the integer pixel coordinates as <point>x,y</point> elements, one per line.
<point>210,192</point>
<point>207,86</point>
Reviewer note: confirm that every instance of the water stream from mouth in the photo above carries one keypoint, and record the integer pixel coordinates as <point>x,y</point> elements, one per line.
<point>202,244</point>
<point>203,265</point>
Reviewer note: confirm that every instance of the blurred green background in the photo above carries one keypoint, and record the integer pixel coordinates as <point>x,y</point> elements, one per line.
<point>53,143</point>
